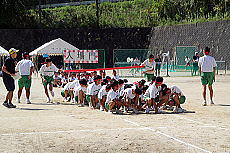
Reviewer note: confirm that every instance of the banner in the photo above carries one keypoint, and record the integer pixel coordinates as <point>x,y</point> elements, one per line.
<point>80,56</point>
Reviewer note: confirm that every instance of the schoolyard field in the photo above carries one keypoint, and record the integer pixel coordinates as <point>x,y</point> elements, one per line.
<point>65,128</point>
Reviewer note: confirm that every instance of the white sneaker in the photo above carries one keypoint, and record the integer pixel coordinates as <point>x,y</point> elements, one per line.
<point>110,112</point>
<point>52,93</point>
<point>28,101</point>
<point>65,100</point>
<point>147,110</point>
<point>204,103</point>
<point>101,108</point>
<point>90,105</point>
<point>48,100</point>
<point>81,105</point>
<point>18,101</point>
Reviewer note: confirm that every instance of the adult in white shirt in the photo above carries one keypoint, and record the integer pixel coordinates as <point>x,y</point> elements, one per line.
<point>149,65</point>
<point>25,69</point>
<point>207,66</point>
<point>47,71</point>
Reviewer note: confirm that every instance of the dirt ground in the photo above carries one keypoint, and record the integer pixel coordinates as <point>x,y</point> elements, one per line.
<point>50,128</point>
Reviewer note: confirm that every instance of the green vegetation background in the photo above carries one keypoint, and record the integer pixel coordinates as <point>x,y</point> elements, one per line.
<point>127,14</point>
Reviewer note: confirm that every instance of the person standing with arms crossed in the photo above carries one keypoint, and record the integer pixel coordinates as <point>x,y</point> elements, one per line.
<point>207,66</point>
<point>25,68</point>
<point>8,70</point>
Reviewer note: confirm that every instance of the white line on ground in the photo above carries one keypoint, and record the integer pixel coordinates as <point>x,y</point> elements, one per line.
<point>171,137</point>
<point>131,122</point>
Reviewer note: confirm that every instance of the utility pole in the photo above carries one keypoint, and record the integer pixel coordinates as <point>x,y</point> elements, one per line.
<point>97,12</point>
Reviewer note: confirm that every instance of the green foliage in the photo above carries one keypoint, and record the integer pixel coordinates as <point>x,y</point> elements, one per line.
<point>135,13</point>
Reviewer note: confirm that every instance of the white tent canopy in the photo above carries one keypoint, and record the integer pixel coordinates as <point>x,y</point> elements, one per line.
<point>3,52</point>
<point>54,47</point>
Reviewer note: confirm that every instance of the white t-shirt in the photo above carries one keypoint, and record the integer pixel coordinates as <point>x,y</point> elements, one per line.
<point>24,66</point>
<point>94,89</point>
<point>147,92</point>
<point>121,90</point>
<point>102,92</point>
<point>48,71</point>
<point>128,93</point>
<point>175,89</point>
<point>116,77</point>
<point>154,91</point>
<point>148,65</point>
<point>71,85</point>
<point>112,95</point>
<point>207,63</point>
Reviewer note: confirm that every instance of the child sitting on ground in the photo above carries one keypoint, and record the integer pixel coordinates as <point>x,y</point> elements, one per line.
<point>68,91</point>
<point>102,95</point>
<point>131,97</point>
<point>93,90</point>
<point>113,100</point>
<point>80,92</point>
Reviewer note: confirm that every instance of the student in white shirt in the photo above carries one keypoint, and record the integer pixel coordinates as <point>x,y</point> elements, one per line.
<point>113,98</point>
<point>102,95</point>
<point>207,66</point>
<point>65,79</point>
<point>72,77</point>
<point>57,80</point>
<point>68,90</point>
<point>25,68</point>
<point>174,97</point>
<point>121,87</point>
<point>93,91</point>
<point>149,65</point>
<point>80,92</point>
<point>154,90</point>
<point>47,71</point>
<point>131,97</point>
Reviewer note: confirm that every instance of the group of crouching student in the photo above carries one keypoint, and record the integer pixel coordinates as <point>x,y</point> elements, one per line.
<point>120,96</point>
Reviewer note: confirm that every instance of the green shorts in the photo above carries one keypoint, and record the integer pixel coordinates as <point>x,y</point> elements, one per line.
<point>107,106</point>
<point>207,78</point>
<point>87,97</point>
<point>149,76</point>
<point>49,80</point>
<point>195,66</point>
<point>182,99</point>
<point>24,82</point>
<point>63,93</point>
